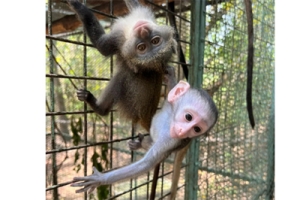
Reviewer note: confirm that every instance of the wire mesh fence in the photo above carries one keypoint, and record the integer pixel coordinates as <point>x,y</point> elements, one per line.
<point>235,161</point>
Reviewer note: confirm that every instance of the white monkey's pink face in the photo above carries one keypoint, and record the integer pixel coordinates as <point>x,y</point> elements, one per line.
<point>187,123</point>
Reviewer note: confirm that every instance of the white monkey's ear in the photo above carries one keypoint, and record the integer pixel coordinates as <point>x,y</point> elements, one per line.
<point>178,90</point>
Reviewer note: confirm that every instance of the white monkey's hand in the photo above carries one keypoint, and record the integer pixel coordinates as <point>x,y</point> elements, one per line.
<point>89,183</point>
<point>136,144</point>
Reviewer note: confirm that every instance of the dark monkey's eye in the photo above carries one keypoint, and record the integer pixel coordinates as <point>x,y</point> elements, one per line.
<point>155,40</point>
<point>197,129</point>
<point>188,117</point>
<point>141,46</point>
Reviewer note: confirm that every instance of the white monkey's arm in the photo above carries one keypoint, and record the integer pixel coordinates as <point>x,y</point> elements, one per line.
<point>154,156</point>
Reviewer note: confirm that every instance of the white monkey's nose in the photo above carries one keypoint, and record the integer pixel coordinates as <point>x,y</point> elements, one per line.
<point>181,133</point>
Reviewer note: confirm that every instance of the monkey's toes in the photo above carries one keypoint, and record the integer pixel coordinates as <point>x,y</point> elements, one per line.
<point>134,145</point>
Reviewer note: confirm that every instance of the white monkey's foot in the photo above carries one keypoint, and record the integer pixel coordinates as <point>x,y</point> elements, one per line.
<point>136,144</point>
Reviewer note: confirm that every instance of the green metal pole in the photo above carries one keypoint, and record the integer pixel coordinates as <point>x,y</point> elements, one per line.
<point>197,43</point>
<point>271,149</point>
<point>52,102</point>
<point>195,79</point>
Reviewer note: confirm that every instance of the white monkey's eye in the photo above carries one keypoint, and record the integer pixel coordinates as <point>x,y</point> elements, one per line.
<point>141,46</point>
<point>188,117</point>
<point>197,129</point>
<point>155,40</point>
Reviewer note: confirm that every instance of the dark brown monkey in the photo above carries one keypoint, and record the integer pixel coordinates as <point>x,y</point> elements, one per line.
<point>142,50</point>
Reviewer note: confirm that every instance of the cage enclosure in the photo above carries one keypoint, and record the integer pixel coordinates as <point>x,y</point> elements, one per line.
<point>233,161</point>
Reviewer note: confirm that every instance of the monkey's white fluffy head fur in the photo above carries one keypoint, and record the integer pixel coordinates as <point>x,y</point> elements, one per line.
<point>153,59</point>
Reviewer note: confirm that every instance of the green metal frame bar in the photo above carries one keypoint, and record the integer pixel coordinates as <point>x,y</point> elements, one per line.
<point>195,79</point>
<point>52,102</point>
<point>271,150</point>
